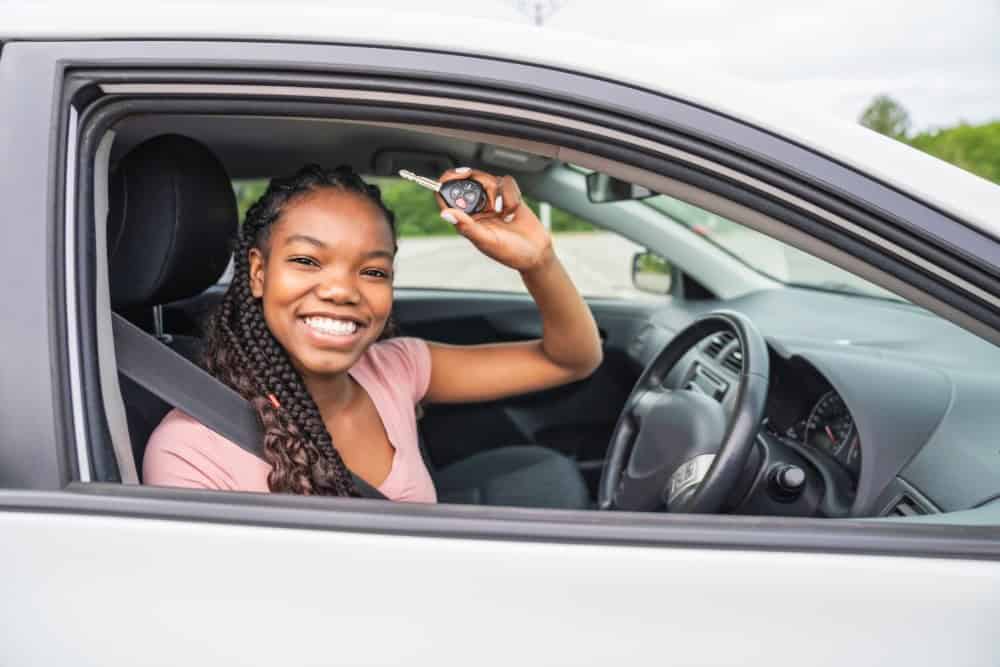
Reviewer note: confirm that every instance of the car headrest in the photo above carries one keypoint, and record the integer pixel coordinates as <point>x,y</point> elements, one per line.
<point>171,222</point>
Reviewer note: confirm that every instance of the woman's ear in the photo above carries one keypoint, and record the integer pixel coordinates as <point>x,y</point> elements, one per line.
<point>256,259</point>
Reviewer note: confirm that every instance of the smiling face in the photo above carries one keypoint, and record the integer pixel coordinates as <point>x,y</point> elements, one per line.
<point>325,279</point>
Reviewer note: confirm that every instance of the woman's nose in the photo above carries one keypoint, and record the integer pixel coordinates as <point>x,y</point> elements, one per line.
<point>339,289</point>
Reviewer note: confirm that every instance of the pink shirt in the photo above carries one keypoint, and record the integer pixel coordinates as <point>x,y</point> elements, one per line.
<point>394,372</point>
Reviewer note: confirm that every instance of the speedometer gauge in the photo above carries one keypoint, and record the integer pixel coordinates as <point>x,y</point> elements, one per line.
<point>830,426</point>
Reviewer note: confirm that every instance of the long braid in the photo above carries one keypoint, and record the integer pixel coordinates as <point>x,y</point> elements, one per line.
<point>242,352</point>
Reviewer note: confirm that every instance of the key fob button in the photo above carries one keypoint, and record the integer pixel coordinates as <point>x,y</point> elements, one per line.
<point>466,194</point>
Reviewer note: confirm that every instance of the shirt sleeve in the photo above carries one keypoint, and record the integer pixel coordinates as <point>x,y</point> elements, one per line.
<point>173,459</point>
<point>409,361</point>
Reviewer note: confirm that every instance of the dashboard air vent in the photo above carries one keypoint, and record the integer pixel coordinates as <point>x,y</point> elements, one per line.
<point>717,342</point>
<point>734,361</point>
<point>905,506</point>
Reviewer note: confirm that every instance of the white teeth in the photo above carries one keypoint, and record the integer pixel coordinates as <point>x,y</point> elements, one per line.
<point>331,326</point>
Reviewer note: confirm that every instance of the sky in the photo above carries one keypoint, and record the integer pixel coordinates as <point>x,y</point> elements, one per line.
<point>939,58</point>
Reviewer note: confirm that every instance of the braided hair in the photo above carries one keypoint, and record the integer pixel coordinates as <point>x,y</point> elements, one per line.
<point>241,351</point>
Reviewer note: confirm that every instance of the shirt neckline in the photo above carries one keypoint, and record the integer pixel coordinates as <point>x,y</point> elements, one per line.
<point>376,402</point>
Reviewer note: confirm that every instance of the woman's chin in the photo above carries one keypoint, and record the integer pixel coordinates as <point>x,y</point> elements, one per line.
<point>330,355</point>
<point>323,363</point>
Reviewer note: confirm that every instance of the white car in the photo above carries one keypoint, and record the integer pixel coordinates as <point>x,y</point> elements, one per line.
<point>789,452</point>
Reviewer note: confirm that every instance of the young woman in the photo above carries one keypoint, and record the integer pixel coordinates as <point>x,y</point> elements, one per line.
<point>301,333</point>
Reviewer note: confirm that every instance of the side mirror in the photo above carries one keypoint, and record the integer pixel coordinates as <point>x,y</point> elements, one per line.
<point>602,188</point>
<point>651,273</point>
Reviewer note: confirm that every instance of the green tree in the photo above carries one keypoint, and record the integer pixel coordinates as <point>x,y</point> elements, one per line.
<point>886,116</point>
<point>975,148</point>
<point>248,192</point>
<point>416,211</point>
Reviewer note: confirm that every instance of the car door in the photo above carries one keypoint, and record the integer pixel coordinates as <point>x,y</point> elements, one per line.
<point>123,574</point>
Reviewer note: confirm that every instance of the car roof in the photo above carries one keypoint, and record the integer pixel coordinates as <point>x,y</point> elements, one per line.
<point>970,198</point>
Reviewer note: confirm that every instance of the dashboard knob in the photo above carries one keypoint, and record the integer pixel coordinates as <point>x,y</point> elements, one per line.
<point>789,480</point>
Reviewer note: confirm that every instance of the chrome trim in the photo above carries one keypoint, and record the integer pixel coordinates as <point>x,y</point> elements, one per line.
<point>72,308</point>
<point>688,475</point>
<point>158,321</point>
<point>407,98</point>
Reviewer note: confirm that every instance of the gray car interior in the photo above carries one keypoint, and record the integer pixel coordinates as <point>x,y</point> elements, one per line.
<point>918,388</point>
<point>172,218</point>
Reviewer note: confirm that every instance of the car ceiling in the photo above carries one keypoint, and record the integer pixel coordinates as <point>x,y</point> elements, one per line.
<point>259,147</point>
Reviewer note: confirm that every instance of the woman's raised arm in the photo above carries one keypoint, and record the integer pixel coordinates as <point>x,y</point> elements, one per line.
<point>570,349</point>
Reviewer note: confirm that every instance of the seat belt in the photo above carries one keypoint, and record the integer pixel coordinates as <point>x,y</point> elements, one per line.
<point>183,385</point>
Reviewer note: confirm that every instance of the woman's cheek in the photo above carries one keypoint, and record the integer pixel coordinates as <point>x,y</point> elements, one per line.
<point>381,300</point>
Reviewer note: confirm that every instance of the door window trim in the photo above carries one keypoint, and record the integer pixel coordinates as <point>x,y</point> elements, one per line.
<point>496,523</point>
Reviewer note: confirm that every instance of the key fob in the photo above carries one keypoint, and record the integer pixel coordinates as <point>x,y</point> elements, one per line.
<point>466,194</point>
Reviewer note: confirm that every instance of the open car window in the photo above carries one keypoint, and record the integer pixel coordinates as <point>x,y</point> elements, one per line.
<point>432,256</point>
<point>709,262</point>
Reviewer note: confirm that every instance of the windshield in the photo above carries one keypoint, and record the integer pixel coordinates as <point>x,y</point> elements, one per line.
<point>764,254</point>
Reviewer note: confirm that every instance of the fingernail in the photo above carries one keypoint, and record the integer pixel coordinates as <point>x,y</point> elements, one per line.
<point>498,204</point>
<point>508,218</point>
<point>448,217</point>
<point>462,170</point>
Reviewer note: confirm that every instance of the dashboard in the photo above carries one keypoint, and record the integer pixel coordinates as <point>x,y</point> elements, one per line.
<point>897,403</point>
<point>806,421</point>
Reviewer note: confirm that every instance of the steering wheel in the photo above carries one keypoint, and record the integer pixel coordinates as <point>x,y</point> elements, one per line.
<point>678,445</point>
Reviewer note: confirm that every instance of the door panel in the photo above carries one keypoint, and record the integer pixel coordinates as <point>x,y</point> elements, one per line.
<point>125,591</point>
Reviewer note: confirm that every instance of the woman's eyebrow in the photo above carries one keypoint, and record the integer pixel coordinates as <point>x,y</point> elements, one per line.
<point>305,238</point>
<point>312,240</point>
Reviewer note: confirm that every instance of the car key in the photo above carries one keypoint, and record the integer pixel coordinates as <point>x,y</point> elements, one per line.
<point>466,194</point>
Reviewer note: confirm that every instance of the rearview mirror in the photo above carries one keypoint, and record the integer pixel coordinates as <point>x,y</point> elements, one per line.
<point>651,273</point>
<point>602,188</point>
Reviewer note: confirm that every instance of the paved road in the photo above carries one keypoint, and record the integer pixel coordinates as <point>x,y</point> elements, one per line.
<point>599,263</point>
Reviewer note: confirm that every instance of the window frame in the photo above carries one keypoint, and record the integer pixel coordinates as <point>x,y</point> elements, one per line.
<point>493,523</point>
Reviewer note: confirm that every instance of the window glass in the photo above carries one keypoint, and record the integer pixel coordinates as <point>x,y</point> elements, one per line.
<point>764,254</point>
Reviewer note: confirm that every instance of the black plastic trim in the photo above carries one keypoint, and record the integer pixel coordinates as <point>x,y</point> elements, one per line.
<point>60,338</point>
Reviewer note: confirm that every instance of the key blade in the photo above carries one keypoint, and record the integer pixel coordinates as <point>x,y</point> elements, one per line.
<point>428,183</point>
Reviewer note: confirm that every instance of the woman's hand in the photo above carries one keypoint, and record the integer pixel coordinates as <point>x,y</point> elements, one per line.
<point>506,230</point>
<point>570,348</point>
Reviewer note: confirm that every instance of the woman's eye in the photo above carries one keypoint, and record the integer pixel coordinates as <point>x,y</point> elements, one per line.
<point>376,273</point>
<point>305,261</point>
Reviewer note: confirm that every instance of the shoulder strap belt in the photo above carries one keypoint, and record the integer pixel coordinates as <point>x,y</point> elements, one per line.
<point>183,385</point>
